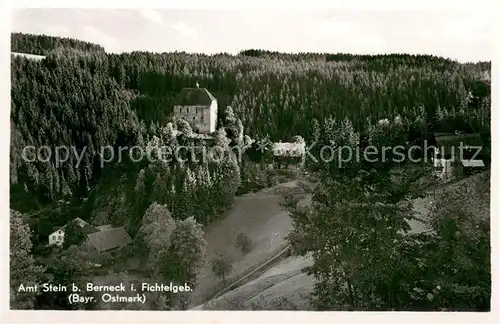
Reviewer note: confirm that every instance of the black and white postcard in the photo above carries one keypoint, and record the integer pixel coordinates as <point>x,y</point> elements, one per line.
<point>251,159</point>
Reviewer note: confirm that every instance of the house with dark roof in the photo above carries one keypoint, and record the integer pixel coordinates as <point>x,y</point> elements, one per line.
<point>457,146</point>
<point>109,239</point>
<point>199,108</point>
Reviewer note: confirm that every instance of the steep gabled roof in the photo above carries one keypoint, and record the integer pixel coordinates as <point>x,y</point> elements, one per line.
<point>449,143</point>
<point>109,239</point>
<point>195,97</point>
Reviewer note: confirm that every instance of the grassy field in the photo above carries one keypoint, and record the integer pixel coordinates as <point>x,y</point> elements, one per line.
<point>258,215</point>
<point>284,282</point>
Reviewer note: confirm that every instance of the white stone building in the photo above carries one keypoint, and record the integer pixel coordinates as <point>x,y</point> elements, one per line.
<point>199,108</point>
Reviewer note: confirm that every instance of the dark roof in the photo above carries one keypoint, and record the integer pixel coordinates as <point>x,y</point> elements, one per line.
<point>447,141</point>
<point>86,229</point>
<point>195,97</point>
<point>466,138</point>
<point>29,56</point>
<point>110,239</point>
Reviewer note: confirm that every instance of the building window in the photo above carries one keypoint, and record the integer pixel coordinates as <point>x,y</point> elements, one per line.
<point>59,238</point>
<point>54,237</point>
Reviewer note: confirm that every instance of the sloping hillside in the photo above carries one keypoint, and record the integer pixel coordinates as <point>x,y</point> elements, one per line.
<point>479,206</point>
<point>261,217</point>
<point>285,286</point>
<point>285,283</point>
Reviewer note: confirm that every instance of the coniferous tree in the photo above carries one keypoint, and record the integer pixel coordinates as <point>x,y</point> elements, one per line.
<point>23,270</point>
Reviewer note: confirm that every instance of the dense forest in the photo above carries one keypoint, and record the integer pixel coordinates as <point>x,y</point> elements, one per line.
<point>83,98</point>
<point>43,44</point>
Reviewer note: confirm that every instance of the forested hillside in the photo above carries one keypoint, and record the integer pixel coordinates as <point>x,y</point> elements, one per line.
<point>280,94</point>
<point>43,44</point>
<point>65,102</point>
<point>85,99</point>
<point>92,99</point>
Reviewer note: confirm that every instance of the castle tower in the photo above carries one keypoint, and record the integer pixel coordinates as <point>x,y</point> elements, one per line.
<point>198,107</point>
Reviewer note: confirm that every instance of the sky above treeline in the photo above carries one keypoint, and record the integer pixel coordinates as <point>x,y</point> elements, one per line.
<point>464,34</point>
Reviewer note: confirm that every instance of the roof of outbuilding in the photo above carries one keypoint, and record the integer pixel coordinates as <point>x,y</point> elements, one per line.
<point>109,239</point>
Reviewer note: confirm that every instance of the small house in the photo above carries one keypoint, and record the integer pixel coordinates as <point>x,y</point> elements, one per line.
<point>57,237</point>
<point>288,154</point>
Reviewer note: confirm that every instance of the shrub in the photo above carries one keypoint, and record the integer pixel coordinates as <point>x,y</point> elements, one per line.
<point>221,267</point>
<point>44,250</point>
<point>243,242</point>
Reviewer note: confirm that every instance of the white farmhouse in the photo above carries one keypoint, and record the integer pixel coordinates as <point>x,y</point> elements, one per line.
<point>58,236</point>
